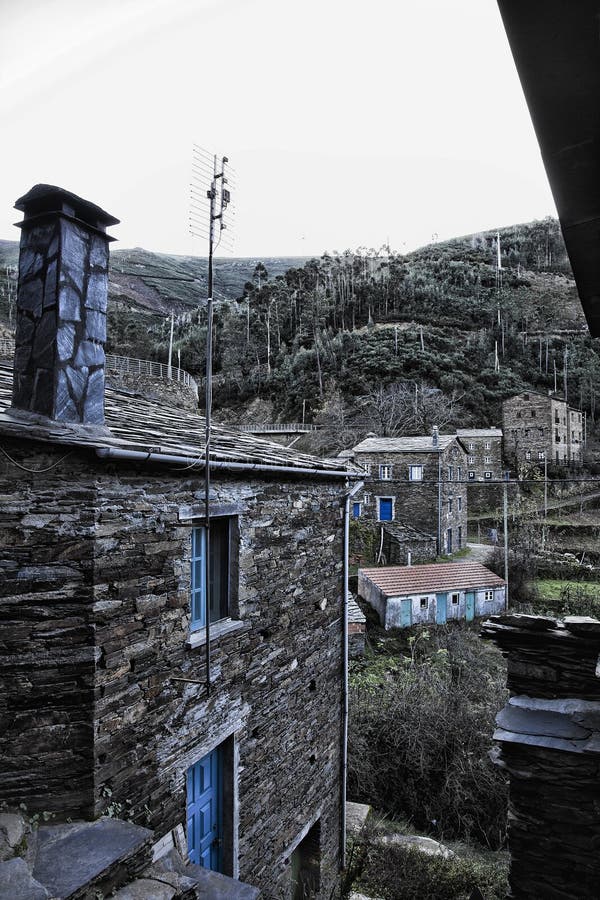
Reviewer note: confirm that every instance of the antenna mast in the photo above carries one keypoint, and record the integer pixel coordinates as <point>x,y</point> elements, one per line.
<point>218,197</point>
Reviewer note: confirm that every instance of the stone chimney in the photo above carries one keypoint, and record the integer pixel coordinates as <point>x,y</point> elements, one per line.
<point>61,306</point>
<point>435,437</point>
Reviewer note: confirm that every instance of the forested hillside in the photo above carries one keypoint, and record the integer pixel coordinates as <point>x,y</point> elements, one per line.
<point>370,339</point>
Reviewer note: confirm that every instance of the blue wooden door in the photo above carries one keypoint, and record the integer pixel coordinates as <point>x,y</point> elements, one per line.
<point>405,613</point>
<point>470,606</point>
<point>385,509</point>
<point>204,811</point>
<point>440,608</point>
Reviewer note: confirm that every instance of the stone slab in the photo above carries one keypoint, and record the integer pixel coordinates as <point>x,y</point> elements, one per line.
<point>17,883</point>
<point>356,817</point>
<point>146,888</point>
<point>70,856</point>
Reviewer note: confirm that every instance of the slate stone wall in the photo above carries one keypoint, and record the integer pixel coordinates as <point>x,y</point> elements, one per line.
<point>46,631</point>
<point>548,735</point>
<point>61,321</point>
<point>276,681</point>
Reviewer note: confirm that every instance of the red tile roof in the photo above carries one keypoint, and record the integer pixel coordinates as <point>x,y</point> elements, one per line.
<point>400,580</point>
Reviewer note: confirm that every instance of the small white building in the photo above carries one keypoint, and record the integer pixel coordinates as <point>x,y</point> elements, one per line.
<point>431,594</point>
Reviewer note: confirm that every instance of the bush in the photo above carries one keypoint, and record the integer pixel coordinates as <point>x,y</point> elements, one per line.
<point>395,872</point>
<point>419,734</point>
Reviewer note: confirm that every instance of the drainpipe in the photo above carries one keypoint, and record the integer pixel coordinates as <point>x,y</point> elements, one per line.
<point>196,462</point>
<point>344,772</point>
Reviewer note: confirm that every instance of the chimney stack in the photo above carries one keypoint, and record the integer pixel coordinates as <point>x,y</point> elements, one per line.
<point>61,306</point>
<point>435,437</point>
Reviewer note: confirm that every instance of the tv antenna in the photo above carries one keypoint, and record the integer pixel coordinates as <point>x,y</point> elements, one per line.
<point>210,215</point>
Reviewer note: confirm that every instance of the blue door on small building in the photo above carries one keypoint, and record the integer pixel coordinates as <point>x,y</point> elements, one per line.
<point>440,608</point>
<point>386,509</point>
<point>204,811</point>
<point>405,613</point>
<point>470,606</point>
<point>356,510</point>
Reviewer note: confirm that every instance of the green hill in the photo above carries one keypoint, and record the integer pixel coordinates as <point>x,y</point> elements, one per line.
<point>327,335</point>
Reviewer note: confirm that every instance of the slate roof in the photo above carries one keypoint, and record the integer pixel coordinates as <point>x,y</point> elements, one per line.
<point>422,443</point>
<point>355,614</point>
<point>403,580</point>
<point>479,432</point>
<point>133,423</point>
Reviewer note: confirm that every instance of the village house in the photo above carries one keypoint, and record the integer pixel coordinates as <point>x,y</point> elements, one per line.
<point>122,690</point>
<point>419,481</point>
<point>484,453</point>
<point>431,594</point>
<point>540,428</point>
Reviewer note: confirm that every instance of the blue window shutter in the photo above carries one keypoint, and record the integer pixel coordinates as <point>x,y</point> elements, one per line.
<point>198,598</point>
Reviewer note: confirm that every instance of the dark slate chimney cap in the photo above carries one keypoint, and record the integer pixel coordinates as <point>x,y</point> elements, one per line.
<point>47,198</point>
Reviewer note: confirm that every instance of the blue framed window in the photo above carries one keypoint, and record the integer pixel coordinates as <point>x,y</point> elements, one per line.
<point>219,573</point>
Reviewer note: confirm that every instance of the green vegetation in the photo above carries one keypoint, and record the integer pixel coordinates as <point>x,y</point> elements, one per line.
<point>398,872</point>
<point>422,710</point>
<point>564,597</point>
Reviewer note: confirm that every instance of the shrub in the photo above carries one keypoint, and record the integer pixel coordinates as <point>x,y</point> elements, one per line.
<point>396,872</point>
<point>420,730</point>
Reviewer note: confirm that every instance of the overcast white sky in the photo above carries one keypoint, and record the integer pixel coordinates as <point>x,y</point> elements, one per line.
<point>348,123</point>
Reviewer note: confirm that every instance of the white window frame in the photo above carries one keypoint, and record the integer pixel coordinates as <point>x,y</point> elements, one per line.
<point>487,476</point>
<point>455,599</point>
<point>471,460</point>
<point>488,596</point>
<point>528,454</point>
<point>385,472</point>
<point>471,475</point>
<point>415,473</point>
<point>487,460</point>
<point>423,602</point>
<point>487,446</point>
<point>459,504</point>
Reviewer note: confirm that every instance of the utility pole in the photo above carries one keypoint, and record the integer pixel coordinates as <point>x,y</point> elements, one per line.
<point>565,381</point>
<point>169,364</point>
<point>505,516</point>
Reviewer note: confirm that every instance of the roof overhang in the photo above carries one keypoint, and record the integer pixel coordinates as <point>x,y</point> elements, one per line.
<point>556,48</point>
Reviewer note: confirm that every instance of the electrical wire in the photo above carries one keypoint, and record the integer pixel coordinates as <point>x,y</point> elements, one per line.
<point>35,471</point>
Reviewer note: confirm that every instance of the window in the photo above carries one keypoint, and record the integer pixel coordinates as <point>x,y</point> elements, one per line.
<point>471,445</point>
<point>487,460</point>
<point>459,537</point>
<point>367,468</point>
<point>218,570</point>
<point>487,446</point>
<point>488,595</point>
<point>528,454</point>
<point>455,599</point>
<point>541,454</point>
<point>450,473</point>
<point>459,502</point>
<point>533,414</point>
<point>487,476</point>
<point>471,476</point>
<point>450,504</point>
<point>385,473</point>
<point>415,473</point>
<point>424,603</point>
<point>459,474</point>
<point>471,460</point>
<point>356,510</point>
<point>366,499</point>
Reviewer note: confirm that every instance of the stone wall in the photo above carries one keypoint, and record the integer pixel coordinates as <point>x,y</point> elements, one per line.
<point>549,735</point>
<point>538,427</point>
<point>120,629</point>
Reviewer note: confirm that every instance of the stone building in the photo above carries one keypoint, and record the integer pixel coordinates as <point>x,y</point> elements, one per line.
<point>549,737</point>
<point>123,689</point>
<point>419,481</point>
<point>541,427</point>
<point>432,594</point>
<point>484,453</point>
